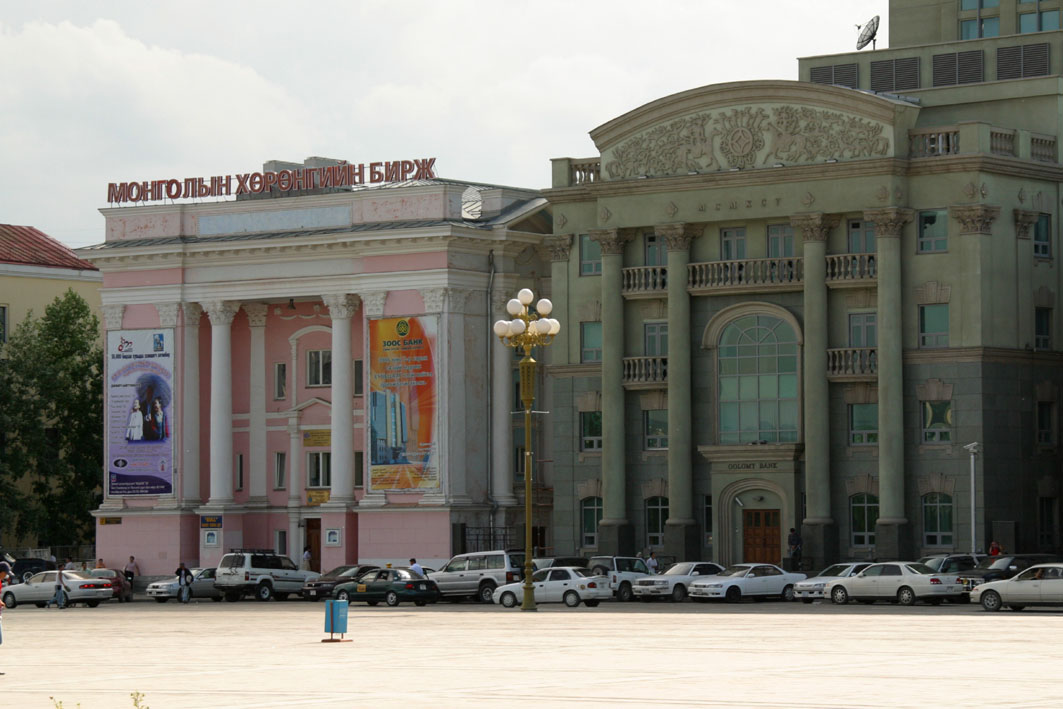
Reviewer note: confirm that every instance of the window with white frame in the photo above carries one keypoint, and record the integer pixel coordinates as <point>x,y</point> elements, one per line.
<point>655,429</point>
<point>655,339</point>
<point>863,424</point>
<point>934,326</point>
<point>319,368</point>
<point>937,421</point>
<point>280,466</point>
<point>1042,236</point>
<point>590,256</point>
<point>733,244</point>
<point>590,341</point>
<point>319,469</point>
<point>933,231</point>
<point>280,381</point>
<point>590,425</point>
<point>1042,326</point>
<point>863,515</point>
<point>861,236</point>
<point>590,516</point>
<point>656,516</point>
<point>1046,423</point>
<point>937,519</point>
<point>1044,21</point>
<point>655,252</point>
<point>780,240</point>
<point>239,471</point>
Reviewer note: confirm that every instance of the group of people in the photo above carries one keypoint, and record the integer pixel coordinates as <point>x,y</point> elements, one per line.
<point>147,426</point>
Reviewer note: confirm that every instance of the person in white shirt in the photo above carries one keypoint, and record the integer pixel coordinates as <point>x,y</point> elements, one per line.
<point>306,558</point>
<point>69,565</point>
<point>651,562</point>
<point>414,566</point>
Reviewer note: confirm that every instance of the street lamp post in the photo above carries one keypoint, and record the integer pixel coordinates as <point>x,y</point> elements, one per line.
<point>972,448</point>
<point>523,332</point>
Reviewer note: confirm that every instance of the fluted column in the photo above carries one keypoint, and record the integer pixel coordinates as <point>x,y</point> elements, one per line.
<point>614,474</point>
<point>257,472</point>
<point>889,225</point>
<point>342,307</point>
<point>221,314</point>
<point>190,404</point>
<point>501,409</point>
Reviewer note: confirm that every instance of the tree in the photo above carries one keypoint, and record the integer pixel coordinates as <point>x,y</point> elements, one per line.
<point>51,416</point>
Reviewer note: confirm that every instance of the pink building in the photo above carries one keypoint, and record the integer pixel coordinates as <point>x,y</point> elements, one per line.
<point>234,329</point>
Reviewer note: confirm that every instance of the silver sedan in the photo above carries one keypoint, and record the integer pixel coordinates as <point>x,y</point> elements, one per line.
<point>202,587</point>
<point>40,589</point>
<point>811,589</point>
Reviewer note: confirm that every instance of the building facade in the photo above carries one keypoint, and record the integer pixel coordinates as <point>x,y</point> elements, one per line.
<point>314,370</point>
<point>791,304</point>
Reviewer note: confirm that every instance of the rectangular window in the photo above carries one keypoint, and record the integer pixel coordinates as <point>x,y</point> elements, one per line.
<point>359,469</point>
<point>863,330</point>
<point>358,375</point>
<point>280,381</point>
<point>319,469</point>
<point>655,429</point>
<point>1045,21</point>
<point>655,339</point>
<point>319,368</point>
<point>590,256</point>
<point>1042,323</point>
<point>863,424</point>
<point>1042,237</point>
<point>591,515</point>
<point>933,231</point>
<point>937,421</point>
<point>590,342</point>
<point>280,465</point>
<point>861,237</point>
<point>780,241</point>
<point>934,326</point>
<point>975,4</point>
<point>280,541</point>
<point>239,471</point>
<point>733,244</point>
<point>655,252</point>
<point>1046,423</point>
<point>590,425</point>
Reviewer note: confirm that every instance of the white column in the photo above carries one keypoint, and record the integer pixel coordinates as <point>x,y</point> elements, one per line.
<point>221,313</point>
<point>341,307</point>
<point>295,490</point>
<point>373,303</point>
<point>257,469</point>
<point>190,404</point>
<point>501,409</point>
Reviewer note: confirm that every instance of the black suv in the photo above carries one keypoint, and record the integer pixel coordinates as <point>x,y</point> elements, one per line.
<point>994,568</point>
<point>22,569</point>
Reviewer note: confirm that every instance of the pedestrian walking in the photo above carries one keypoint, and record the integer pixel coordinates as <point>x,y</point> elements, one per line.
<point>131,569</point>
<point>414,566</point>
<point>184,583</point>
<point>794,543</point>
<point>651,562</point>
<point>59,599</point>
<point>5,573</point>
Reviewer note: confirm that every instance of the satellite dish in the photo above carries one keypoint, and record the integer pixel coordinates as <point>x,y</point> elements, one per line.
<point>867,34</point>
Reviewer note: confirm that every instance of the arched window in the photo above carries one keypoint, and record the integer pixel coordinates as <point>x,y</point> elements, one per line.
<point>656,516</point>
<point>863,514</point>
<point>590,515</point>
<point>937,519</point>
<point>758,381</point>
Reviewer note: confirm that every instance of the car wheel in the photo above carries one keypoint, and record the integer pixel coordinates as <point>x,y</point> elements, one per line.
<point>391,598</point>
<point>486,592</point>
<point>343,595</point>
<point>679,593</point>
<point>508,600</point>
<point>571,599</point>
<point>905,596</point>
<point>1014,607</point>
<point>733,595</point>
<point>264,592</point>
<point>9,600</point>
<point>420,604</point>
<point>788,593</point>
<point>839,595</point>
<point>282,596</point>
<point>92,604</point>
<point>159,599</point>
<point>591,604</point>
<point>232,596</point>
<point>624,593</point>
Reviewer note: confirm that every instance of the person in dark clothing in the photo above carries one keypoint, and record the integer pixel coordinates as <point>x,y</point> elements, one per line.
<point>794,543</point>
<point>184,583</point>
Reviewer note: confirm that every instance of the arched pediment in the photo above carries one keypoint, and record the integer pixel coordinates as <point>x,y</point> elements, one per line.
<point>748,125</point>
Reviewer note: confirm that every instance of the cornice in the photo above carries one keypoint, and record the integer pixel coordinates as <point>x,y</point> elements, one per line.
<point>993,164</point>
<point>592,369</point>
<point>996,355</point>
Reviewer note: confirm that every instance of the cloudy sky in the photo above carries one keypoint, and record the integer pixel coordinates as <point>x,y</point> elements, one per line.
<point>98,92</point>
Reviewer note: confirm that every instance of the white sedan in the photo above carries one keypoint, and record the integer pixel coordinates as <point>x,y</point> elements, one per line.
<point>902,581</point>
<point>675,581</point>
<point>740,580</point>
<point>1040,585</point>
<point>78,587</point>
<point>811,589</point>
<point>567,584</point>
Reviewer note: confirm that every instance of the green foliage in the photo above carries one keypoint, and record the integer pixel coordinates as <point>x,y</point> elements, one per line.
<point>51,414</point>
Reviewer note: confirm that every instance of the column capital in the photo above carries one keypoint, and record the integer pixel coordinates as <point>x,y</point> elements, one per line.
<point>889,222</point>
<point>677,237</point>
<point>341,305</point>
<point>560,246</point>
<point>193,312</point>
<point>814,226</point>
<point>221,312</point>
<point>612,240</point>
<point>1024,218</point>
<point>112,315</point>
<point>167,313</point>
<point>433,299</point>
<point>256,313</point>
<point>975,218</point>
<point>373,303</point>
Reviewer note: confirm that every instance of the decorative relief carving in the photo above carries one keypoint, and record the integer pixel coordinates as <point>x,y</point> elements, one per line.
<point>562,220</point>
<point>677,237</point>
<point>889,222</point>
<point>604,214</point>
<point>612,240</point>
<point>861,393</point>
<point>588,401</point>
<point>256,314</point>
<point>860,298</point>
<point>815,227</point>
<point>742,137</point>
<point>433,299</point>
<point>341,305</point>
<point>112,315</point>
<point>589,488</point>
<point>560,246</point>
<point>374,303</point>
<point>932,292</point>
<point>1024,219</point>
<point>935,482</point>
<point>589,311</point>
<point>883,193</point>
<point>658,487</point>
<point>808,200</point>
<point>655,400</point>
<point>975,218</point>
<point>933,390</point>
<point>867,484</point>
<point>221,312</point>
<point>279,312</point>
<point>1022,196</point>
<point>671,209</point>
<point>167,314</point>
<point>193,312</point>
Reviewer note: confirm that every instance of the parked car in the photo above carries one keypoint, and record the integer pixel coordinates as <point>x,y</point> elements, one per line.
<point>622,571</point>
<point>261,572</point>
<point>22,569</point>
<point>123,590</point>
<point>202,587</point>
<point>392,586</point>
<point>675,581</point>
<point>902,581</point>
<point>993,568</point>
<point>951,563</point>
<point>741,580</point>
<point>40,588</point>
<point>570,585</point>
<point>550,562</point>
<point>323,585</point>
<point>1040,585</point>
<point>478,574</point>
<point>811,589</point>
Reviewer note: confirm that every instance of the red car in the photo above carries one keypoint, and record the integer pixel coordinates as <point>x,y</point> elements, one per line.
<point>123,591</point>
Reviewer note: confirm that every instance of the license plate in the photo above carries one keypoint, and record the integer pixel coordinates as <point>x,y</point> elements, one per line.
<point>312,593</point>
<point>421,586</point>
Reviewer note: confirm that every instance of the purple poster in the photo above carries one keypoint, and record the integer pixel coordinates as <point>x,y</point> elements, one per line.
<point>139,406</point>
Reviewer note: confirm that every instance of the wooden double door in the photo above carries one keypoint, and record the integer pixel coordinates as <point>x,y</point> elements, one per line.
<point>761,537</point>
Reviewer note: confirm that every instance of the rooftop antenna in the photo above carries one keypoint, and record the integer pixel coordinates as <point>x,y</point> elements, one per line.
<point>867,34</point>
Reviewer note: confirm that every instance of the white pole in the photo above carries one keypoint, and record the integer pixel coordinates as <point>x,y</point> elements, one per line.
<point>972,448</point>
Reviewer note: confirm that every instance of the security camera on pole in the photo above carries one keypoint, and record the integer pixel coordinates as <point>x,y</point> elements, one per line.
<point>972,448</point>
<point>525,331</point>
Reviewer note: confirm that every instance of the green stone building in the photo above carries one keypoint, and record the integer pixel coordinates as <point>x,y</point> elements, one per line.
<point>794,303</point>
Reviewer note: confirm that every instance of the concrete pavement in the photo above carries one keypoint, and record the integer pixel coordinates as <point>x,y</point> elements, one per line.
<point>250,655</point>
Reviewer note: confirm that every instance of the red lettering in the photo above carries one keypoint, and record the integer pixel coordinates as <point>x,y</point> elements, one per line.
<point>375,172</point>
<point>117,192</point>
<point>325,177</point>
<point>269,181</point>
<point>407,169</point>
<point>202,188</point>
<point>173,189</point>
<point>393,171</point>
<point>257,183</point>
<point>357,174</point>
<point>304,179</point>
<point>243,179</point>
<point>343,177</point>
<point>425,169</point>
<point>284,180</point>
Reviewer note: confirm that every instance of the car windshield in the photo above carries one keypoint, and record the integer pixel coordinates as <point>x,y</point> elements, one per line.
<point>540,576</point>
<point>734,571</point>
<point>836,570</point>
<point>934,562</point>
<point>681,569</point>
<point>636,565</point>
<point>994,562</point>
<point>918,568</point>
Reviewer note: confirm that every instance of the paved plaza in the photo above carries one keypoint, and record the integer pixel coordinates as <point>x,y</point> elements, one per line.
<point>260,655</point>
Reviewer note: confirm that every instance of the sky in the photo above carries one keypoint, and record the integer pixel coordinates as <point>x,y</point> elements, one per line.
<point>117,91</point>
